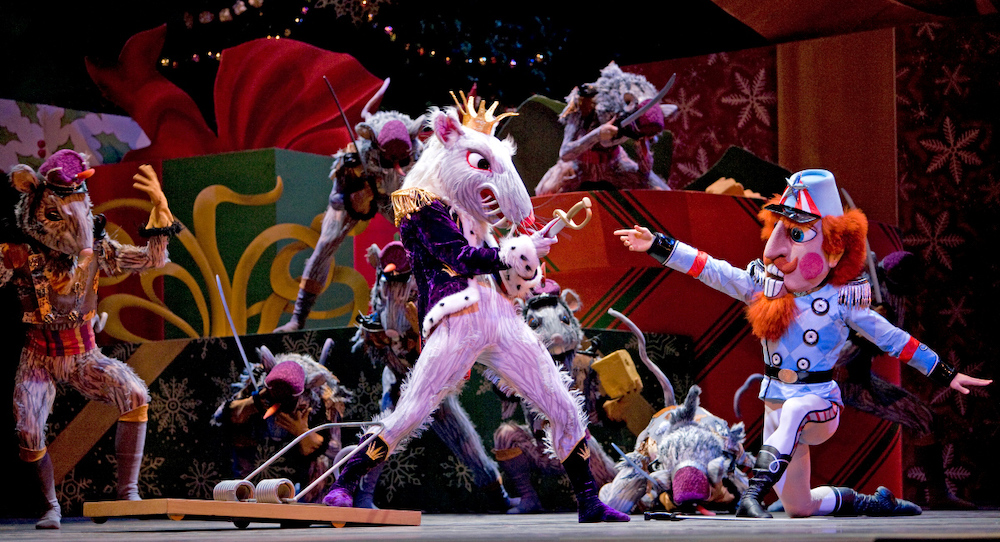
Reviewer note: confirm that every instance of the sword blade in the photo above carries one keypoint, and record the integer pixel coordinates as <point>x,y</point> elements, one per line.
<point>655,102</point>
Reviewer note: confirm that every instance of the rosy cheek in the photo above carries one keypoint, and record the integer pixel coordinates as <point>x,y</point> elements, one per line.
<point>811,266</point>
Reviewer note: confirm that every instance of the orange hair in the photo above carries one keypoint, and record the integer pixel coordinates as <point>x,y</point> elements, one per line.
<point>843,234</point>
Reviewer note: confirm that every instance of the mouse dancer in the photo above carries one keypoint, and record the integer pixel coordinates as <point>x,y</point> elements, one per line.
<point>55,270</point>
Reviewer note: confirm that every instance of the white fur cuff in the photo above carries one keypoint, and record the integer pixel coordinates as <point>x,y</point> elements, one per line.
<point>525,268</point>
<point>449,305</point>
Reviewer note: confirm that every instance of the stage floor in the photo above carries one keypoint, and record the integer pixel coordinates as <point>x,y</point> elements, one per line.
<point>977,525</point>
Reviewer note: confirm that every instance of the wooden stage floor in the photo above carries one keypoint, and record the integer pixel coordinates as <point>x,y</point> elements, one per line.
<point>933,525</point>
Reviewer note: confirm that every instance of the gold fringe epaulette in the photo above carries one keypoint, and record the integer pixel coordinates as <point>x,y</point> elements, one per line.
<point>856,294</point>
<point>407,201</point>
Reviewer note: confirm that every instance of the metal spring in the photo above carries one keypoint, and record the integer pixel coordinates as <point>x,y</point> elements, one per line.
<point>275,490</point>
<point>233,490</point>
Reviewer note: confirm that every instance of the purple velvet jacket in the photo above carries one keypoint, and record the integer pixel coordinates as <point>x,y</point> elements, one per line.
<point>443,261</point>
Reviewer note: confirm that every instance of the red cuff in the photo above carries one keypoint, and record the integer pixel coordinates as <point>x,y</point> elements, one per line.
<point>699,264</point>
<point>909,350</point>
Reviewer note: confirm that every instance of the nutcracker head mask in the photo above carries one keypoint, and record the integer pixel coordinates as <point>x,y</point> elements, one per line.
<point>811,241</point>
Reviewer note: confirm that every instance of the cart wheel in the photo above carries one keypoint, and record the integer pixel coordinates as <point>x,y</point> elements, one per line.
<point>176,517</point>
<point>99,521</point>
<point>294,524</point>
<point>241,523</point>
<point>338,524</point>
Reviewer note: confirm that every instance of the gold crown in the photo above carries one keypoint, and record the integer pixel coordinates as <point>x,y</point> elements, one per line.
<point>482,120</point>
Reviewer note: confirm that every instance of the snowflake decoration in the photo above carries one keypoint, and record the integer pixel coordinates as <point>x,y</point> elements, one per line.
<point>919,113</point>
<point>994,43</point>
<point>961,399</point>
<point>148,484</point>
<point>752,97</point>
<point>367,397</point>
<point>686,107</point>
<point>307,345</point>
<point>279,469</point>
<point>173,406</point>
<point>952,473</point>
<point>200,479</point>
<point>991,191</point>
<point>927,29</point>
<point>400,470</point>
<point>73,491</point>
<point>952,80</point>
<point>458,474</point>
<point>697,169</point>
<point>956,312</point>
<point>718,58</point>
<point>225,383</point>
<point>934,239</point>
<point>951,150</point>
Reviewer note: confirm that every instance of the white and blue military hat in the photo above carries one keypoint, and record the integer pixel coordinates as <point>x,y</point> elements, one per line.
<point>811,194</point>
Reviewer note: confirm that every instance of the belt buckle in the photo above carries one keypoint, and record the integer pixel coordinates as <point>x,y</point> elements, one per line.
<point>788,376</point>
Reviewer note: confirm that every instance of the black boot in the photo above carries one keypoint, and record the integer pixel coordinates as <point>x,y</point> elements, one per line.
<point>589,506</point>
<point>771,464</point>
<point>343,489</point>
<point>882,503</point>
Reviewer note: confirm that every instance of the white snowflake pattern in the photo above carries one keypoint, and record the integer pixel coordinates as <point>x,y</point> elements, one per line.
<point>400,470</point>
<point>458,474</point>
<point>73,491</point>
<point>201,479</point>
<point>752,97</point>
<point>952,80</point>
<point>934,239</point>
<point>367,397</point>
<point>686,107</point>
<point>279,469</point>
<point>225,383</point>
<point>173,406</point>
<point>306,345</point>
<point>951,150</point>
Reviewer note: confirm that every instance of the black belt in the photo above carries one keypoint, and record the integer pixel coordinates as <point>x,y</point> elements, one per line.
<point>789,376</point>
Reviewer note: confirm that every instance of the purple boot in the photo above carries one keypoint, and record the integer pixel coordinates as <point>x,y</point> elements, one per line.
<point>343,489</point>
<point>590,507</point>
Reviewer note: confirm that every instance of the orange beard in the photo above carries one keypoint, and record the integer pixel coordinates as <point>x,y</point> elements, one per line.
<point>770,318</point>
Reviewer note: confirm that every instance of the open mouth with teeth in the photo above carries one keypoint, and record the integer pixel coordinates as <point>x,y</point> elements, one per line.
<point>491,207</point>
<point>773,281</point>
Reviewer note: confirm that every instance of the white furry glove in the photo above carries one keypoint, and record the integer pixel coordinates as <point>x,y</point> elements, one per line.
<point>522,256</point>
